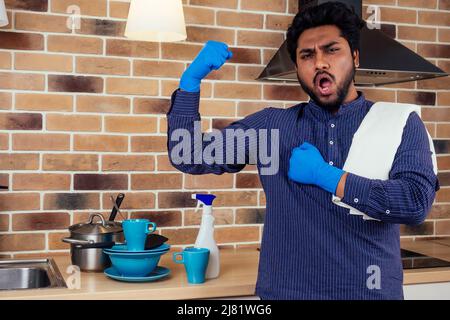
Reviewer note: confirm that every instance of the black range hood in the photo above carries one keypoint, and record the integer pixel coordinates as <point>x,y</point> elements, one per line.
<point>382,60</point>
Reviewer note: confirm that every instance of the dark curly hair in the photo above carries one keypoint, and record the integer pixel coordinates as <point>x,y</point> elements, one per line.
<point>328,13</point>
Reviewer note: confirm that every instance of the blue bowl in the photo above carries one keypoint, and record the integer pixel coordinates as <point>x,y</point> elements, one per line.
<point>135,265</point>
<point>122,248</point>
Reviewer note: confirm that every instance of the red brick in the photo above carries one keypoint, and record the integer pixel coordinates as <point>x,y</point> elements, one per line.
<point>151,105</point>
<point>5,100</point>
<point>129,124</point>
<point>5,60</point>
<point>119,9</point>
<point>248,180</point>
<point>230,4</point>
<point>105,143</point>
<point>209,181</point>
<point>149,144</point>
<point>22,242</point>
<point>43,102</point>
<point>20,121</point>
<point>128,163</point>
<point>40,22</point>
<point>98,65</point>
<point>70,162</point>
<point>182,236</point>
<point>436,18</point>
<point>69,83</point>
<point>19,201</point>
<point>260,38</point>
<point>22,81</point>
<point>87,7</point>
<point>103,104</point>
<point>156,181</point>
<point>124,86</point>
<point>237,91</point>
<point>40,141</point>
<point>240,19</point>
<point>175,199</point>
<point>236,234</point>
<point>19,161</point>
<point>41,181</point>
<point>91,181</point>
<point>180,51</point>
<point>75,122</point>
<point>71,201</point>
<point>74,44</point>
<point>232,198</point>
<point>258,5</point>
<point>126,48</point>
<point>278,22</point>
<point>40,221</point>
<point>32,5</point>
<point>169,218</point>
<point>158,69</point>
<point>102,27</point>
<point>132,200</point>
<point>21,41</point>
<point>195,15</point>
<point>203,34</point>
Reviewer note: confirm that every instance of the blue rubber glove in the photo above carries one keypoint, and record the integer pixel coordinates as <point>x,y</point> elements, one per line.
<point>307,166</point>
<point>211,57</point>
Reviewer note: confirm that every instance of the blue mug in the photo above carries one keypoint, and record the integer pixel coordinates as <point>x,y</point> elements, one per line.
<point>195,262</point>
<point>136,231</point>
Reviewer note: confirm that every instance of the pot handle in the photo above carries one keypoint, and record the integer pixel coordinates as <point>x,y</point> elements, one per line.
<point>91,218</point>
<point>77,241</point>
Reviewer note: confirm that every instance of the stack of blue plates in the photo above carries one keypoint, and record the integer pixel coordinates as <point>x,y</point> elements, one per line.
<point>122,248</point>
<point>136,266</point>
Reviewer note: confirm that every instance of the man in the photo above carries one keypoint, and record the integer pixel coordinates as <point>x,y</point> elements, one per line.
<point>312,248</point>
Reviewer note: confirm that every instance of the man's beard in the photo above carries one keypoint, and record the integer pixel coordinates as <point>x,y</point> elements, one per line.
<point>342,91</point>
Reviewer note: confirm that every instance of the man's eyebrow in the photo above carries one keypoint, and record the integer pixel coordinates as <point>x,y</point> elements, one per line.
<point>325,46</point>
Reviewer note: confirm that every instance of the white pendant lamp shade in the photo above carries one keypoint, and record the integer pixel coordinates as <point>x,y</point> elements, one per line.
<point>3,16</point>
<point>156,20</point>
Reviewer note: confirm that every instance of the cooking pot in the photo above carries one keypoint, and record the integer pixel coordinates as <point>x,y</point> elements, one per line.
<point>87,241</point>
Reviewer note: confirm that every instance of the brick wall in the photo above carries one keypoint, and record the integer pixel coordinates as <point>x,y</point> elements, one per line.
<point>83,114</point>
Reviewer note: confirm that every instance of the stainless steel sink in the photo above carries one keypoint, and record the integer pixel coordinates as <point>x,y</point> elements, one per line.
<point>30,274</point>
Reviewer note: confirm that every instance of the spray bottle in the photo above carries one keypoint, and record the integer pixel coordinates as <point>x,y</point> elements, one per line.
<point>205,238</point>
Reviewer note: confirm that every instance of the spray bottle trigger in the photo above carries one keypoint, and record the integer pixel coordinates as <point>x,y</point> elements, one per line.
<point>199,203</point>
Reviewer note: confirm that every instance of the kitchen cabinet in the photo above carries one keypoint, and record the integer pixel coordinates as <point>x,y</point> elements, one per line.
<point>427,291</point>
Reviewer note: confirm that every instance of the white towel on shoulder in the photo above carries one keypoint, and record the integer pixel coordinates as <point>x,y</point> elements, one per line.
<point>375,144</point>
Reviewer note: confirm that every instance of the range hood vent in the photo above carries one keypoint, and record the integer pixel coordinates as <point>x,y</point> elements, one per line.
<point>382,59</point>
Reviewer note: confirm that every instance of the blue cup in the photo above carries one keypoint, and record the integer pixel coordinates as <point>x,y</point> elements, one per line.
<point>195,262</point>
<point>136,231</point>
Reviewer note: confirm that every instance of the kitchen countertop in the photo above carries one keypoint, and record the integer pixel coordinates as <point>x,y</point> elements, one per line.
<point>237,278</point>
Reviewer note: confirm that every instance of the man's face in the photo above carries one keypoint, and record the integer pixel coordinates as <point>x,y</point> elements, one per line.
<point>326,66</point>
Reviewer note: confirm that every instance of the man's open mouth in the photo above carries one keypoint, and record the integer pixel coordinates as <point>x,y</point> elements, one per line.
<point>324,84</point>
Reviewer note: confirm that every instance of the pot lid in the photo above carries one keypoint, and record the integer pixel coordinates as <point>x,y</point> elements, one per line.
<point>101,227</point>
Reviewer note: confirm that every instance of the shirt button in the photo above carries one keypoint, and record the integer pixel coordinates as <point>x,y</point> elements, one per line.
<point>331,162</point>
<point>356,200</point>
<point>331,142</point>
<point>388,211</point>
<point>332,125</point>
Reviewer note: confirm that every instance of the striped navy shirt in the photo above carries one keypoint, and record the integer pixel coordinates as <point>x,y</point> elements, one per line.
<point>312,248</point>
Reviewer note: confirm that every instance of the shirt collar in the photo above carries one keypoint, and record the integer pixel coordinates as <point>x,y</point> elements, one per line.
<point>349,107</point>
